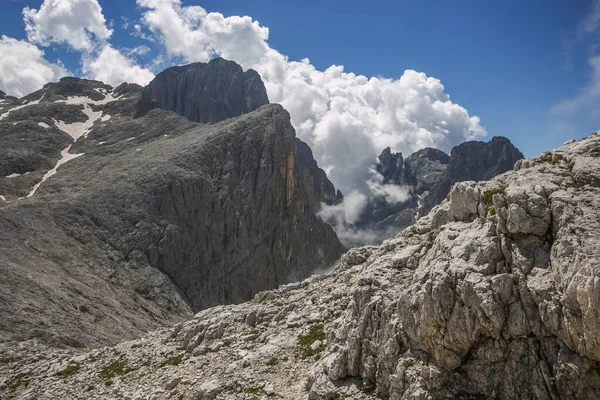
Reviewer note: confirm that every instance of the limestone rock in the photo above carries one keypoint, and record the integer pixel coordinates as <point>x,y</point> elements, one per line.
<point>473,301</point>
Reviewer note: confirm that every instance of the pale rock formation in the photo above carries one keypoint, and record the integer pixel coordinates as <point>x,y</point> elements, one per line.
<point>494,294</point>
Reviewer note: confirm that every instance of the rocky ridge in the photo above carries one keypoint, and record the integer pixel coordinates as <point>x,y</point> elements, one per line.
<point>111,226</point>
<point>494,294</point>
<point>430,173</point>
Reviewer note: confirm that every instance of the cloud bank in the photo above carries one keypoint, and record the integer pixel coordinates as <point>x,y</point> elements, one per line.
<point>23,68</point>
<point>78,23</point>
<point>347,119</point>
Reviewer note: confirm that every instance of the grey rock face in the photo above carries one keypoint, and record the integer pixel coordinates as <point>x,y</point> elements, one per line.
<point>69,87</point>
<point>492,295</point>
<point>391,167</point>
<point>205,92</point>
<point>480,161</point>
<point>430,173</point>
<point>156,217</point>
<point>319,188</point>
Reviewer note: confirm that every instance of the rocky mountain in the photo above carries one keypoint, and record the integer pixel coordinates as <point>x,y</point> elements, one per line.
<point>429,174</point>
<point>492,295</point>
<point>111,225</point>
<point>205,92</point>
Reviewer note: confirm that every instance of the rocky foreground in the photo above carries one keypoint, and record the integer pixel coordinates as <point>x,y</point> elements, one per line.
<point>494,294</point>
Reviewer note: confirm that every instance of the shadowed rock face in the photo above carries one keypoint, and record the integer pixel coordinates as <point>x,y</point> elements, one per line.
<point>481,161</point>
<point>391,167</point>
<point>431,173</point>
<point>205,92</point>
<point>157,217</point>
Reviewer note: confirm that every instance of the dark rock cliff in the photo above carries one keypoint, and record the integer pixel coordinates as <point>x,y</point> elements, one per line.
<point>205,92</point>
<point>481,161</point>
<point>430,174</point>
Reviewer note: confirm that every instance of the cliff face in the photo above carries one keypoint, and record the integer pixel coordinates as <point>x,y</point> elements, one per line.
<point>481,161</point>
<point>430,173</point>
<point>492,295</point>
<point>205,92</point>
<point>112,225</point>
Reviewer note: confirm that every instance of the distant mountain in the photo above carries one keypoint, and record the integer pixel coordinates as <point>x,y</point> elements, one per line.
<point>429,174</point>
<point>112,225</point>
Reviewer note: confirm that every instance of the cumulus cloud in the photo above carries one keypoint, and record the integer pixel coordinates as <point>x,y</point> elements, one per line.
<point>77,23</point>
<point>23,68</point>
<point>346,118</point>
<point>112,67</point>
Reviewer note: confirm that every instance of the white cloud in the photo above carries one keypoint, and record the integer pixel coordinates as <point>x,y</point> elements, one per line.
<point>23,68</point>
<point>78,23</point>
<point>591,22</point>
<point>112,67</point>
<point>347,119</point>
<point>588,96</point>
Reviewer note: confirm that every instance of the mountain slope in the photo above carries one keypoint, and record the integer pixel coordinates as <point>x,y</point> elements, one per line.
<point>494,294</point>
<point>112,225</point>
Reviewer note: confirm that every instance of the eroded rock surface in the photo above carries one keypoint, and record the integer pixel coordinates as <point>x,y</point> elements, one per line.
<point>111,226</point>
<point>494,294</point>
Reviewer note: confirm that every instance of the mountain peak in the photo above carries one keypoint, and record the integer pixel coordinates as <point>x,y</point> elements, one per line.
<point>205,92</point>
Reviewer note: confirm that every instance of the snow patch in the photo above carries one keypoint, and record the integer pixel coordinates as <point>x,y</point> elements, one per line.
<point>101,142</point>
<point>43,125</point>
<point>105,118</point>
<point>79,129</point>
<point>30,103</point>
<point>13,175</point>
<point>65,157</point>
<point>130,139</point>
<point>2,198</point>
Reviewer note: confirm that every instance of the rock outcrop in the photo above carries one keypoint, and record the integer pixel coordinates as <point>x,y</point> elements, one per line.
<point>111,226</point>
<point>494,294</point>
<point>205,92</point>
<point>429,174</point>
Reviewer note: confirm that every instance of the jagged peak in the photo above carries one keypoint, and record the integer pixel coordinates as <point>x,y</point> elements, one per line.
<point>205,92</point>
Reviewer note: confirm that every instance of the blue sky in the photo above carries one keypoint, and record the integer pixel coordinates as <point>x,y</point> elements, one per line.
<point>511,63</point>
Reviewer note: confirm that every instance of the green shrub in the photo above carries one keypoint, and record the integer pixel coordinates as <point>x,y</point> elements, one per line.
<point>70,370</point>
<point>272,361</point>
<point>427,245</point>
<point>546,157</point>
<point>16,383</point>
<point>116,368</point>
<point>175,360</point>
<point>488,194</point>
<point>315,333</point>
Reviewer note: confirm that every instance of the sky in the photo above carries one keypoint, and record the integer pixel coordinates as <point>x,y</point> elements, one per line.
<point>355,76</point>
